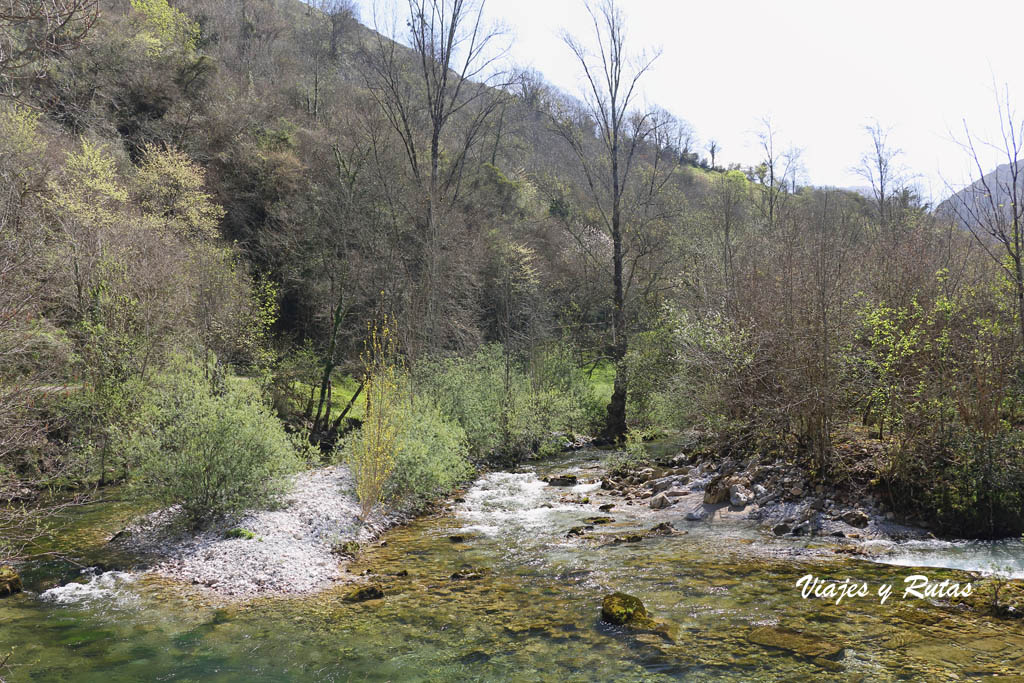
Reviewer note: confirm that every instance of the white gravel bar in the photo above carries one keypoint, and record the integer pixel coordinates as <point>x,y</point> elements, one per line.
<point>290,554</point>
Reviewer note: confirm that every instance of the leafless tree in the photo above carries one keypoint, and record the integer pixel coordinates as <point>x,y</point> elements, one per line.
<point>776,173</point>
<point>32,31</point>
<point>992,207</point>
<point>438,104</point>
<point>713,150</point>
<point>624,194</point>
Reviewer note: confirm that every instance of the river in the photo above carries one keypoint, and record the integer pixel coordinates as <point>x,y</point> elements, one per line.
<point>532,614</point>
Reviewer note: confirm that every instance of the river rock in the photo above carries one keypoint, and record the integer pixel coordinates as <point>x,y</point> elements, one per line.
<point>10,582</point>
<point>857,518</point>
<point>698,515</point>
<point>740,496</point>
<point>796,642</point>
<point>372,592</point>
<point>781,529</point>
<point>606,507</point>
<point>469,574</point>
<point>599,520</point>
<point>660,502</point>
<point>626,610</point>
<point>663,529</point>
<point>677,493</point>
<point>563,480</point>
<point>620,608</point>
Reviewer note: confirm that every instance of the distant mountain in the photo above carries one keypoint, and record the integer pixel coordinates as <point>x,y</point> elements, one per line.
<point>984,201</point>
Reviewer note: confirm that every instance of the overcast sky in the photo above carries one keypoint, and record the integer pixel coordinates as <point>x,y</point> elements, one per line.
<point>821,69</point>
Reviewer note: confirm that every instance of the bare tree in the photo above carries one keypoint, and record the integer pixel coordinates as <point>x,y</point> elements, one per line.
<point>713,150</point>
<point>453,76</point>
<point>992,207</point>
<point>625,197</point>
<point>775,173</point>
<point>31,31</point>
<point>879,167</point>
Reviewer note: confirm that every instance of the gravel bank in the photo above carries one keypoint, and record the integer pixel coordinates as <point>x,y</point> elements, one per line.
<point>291,552</point>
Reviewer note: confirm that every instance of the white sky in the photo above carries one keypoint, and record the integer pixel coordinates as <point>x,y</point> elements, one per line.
<point>821,69</point>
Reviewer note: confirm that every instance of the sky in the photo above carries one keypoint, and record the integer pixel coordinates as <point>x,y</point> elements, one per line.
<point>821,70</point>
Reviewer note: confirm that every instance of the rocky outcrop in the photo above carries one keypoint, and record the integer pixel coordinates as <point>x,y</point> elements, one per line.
<point>857,518</point>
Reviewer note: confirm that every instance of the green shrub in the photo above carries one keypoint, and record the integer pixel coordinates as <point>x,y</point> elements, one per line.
<point>504,409</point>
<point>215,454</point>
<point>430,458</point>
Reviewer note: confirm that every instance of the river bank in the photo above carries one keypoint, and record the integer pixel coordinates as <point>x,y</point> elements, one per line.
<point>302,547</point>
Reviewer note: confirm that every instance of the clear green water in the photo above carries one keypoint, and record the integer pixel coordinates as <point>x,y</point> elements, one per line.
<point>533,615</point>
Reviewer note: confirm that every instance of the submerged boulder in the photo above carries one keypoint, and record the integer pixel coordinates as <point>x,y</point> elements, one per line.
<point>563,480</point>
<point>371,592</point>
<point>10,582</point>
<point>796,642</point>
<point>663,529</point>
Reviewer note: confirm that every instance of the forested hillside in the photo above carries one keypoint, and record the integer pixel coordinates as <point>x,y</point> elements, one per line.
<point>232,222</point>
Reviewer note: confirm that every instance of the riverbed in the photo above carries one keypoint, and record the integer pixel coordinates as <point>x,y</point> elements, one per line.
<point>526,608</point>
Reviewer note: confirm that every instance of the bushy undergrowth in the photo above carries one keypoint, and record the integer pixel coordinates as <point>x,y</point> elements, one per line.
<point>214,450</point>
<point>970,484</point>
<point>506,410</point>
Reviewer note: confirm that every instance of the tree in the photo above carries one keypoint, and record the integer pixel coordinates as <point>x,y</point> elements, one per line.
<point>33,31</point>
<point>713,150</point>
<point>775,173</point>
<point>992,207</point>
<point>623,195</point>
<point>879,167</point>
<point>453,76</point>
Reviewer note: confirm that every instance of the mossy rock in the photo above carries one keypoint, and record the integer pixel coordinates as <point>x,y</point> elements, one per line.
<point>563,480</point>
<point>346,549</point>
<point>371,592</point>
<point>599,520</point>
<point>469,574</point>
<point>239,532</point>
<point>795,642</point>
<point>10,582</point>
<point>621,608</point>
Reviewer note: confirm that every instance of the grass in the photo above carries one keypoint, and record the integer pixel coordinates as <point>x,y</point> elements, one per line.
<point>344,387</point>
<point>602,380</point>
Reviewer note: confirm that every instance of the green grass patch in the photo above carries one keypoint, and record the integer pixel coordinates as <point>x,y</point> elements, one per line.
<point>345,387</point>
<point>602,380</point>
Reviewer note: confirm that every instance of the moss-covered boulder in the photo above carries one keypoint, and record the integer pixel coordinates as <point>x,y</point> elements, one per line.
<point>10,582</point>
<point>626,610</point>
<point>795,642</point>
<point>563,480</point>
<point>371,592</point>
<point>621,609</point>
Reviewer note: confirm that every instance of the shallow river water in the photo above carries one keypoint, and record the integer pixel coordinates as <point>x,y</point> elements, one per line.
<point>532,614</point>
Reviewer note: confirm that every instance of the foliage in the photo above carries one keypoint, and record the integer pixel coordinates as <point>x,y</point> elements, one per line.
<point>216,451</point>
<point>372,452</point>
<point>505,410</point>
<point>430,453</point>
<point>169,187</point>
<point>166,27</point>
